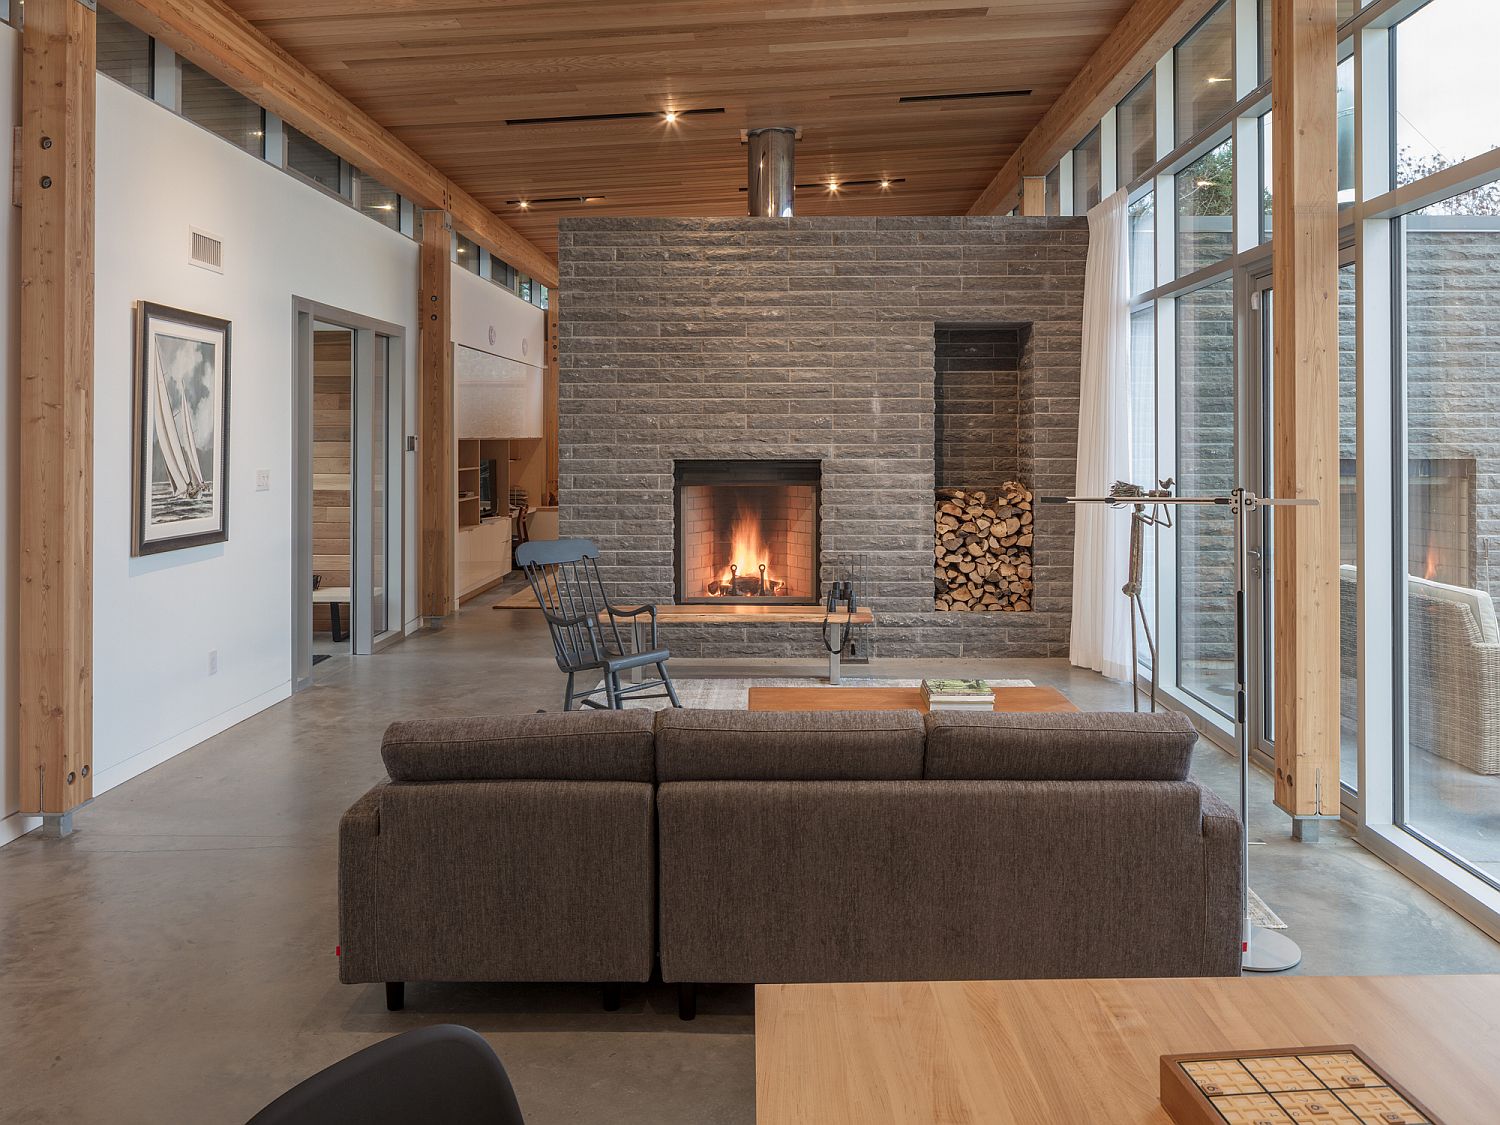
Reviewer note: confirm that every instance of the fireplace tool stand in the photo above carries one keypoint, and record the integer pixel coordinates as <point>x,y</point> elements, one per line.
<point>1262,950</point>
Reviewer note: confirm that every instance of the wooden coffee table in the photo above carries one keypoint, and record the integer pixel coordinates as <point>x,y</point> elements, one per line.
<point>894,699</point>
<point>1088,1051</point>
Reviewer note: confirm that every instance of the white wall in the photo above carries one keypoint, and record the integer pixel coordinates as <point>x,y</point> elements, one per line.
<point>495,320</point>
<point>497,361</point>
<point>157,619</point>
<point>10,297</point>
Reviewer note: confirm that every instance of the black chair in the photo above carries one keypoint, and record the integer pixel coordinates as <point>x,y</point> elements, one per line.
<point>588,631</point>
<point>445,1073</point>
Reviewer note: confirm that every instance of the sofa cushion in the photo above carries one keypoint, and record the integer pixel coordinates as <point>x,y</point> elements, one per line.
<point>566,746</point>
<point>1087,746</point>
<point>788,746</point>
<point>1477,602</point>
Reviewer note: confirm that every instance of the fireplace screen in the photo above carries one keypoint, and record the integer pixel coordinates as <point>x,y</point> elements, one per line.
<point>747,531</point>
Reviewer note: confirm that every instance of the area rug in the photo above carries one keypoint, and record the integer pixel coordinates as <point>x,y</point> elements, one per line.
<point>1262,915</point>
<point>733,694</point>
<point>522,598</point>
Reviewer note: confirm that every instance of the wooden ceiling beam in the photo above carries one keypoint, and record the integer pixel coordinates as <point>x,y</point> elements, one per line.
<point>211,35</point>
<point>1147,32</point>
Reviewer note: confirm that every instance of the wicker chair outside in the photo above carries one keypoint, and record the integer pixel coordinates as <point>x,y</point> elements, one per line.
<point>1454,693</point>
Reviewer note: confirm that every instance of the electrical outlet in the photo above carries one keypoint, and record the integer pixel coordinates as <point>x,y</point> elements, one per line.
<point>262,480</point>
<point>213,662</point>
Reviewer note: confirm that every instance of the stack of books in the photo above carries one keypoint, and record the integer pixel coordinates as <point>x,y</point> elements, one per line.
<point>958,695</point>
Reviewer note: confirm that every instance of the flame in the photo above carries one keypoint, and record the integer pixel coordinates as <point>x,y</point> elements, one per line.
<point>1432,562</point>
<point>747,552</point>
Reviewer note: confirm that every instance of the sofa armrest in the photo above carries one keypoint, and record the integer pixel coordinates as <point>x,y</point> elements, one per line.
<point>359,835</point>
<point>1223,883</point>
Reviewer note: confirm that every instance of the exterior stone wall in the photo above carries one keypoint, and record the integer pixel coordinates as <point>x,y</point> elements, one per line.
<point>810,338</point>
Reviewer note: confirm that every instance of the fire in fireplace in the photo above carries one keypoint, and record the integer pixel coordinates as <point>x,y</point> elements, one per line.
<point>747,531</point>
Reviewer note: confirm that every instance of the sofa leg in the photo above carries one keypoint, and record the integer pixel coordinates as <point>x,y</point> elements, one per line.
<point>612,996</point>
<point>395,995</point>
<point>687,1001</point>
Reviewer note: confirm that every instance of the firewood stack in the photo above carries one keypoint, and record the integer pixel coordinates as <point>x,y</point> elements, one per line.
<point>982,550</point>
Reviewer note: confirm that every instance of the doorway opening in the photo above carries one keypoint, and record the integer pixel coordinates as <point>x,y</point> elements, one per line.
<point>348,538</point>
<point>333,469</point>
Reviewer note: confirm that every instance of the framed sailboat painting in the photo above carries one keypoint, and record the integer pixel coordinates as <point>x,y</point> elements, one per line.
<point>181,430</point>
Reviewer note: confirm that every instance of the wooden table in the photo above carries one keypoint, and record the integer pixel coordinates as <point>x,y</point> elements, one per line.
<point>894,699</point>
<point>1086,1052</point>
<point>333,597</point>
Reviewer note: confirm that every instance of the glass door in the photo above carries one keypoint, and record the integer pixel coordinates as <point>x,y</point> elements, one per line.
<point>360,494</point>
<point>1261,475</point>
<point>376,548</point>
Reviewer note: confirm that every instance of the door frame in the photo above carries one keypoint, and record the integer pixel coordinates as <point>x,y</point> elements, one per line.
<point>1256,414</point>
<point>365,330</point>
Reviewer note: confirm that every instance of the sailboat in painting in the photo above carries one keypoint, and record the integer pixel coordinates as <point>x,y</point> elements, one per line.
<point>184,494</point>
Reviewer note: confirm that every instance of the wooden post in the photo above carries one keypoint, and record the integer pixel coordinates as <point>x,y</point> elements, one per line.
<point>56,486</point>
<point>439,480</point>
<point>1306,397</point>
<point>550,404</point>
<point>1034,195</point>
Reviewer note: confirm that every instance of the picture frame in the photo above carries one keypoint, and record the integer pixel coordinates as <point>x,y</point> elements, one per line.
<point>180,471</point>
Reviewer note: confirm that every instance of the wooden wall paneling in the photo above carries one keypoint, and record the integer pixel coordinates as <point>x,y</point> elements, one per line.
<point>435,445</point>
<point>1147,32</point>
<point>212,35</point>
<point>55,531</point>
<point>1306,402</point>
<point>550,404</point>
<point>333,448</point>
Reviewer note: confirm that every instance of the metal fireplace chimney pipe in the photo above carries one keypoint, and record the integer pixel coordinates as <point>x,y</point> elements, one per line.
<point>772,181</point>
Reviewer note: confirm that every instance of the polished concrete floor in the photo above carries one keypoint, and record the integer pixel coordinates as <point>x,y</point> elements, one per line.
<point>173,960</point>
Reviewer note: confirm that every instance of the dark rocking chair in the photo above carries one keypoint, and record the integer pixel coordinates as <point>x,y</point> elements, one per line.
<point>588,632</point>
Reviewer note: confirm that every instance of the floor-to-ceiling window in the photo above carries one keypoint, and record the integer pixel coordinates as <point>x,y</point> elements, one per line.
<point>1427,379</point>
<point>1206,466</point>
<point>1418,457</point>
<point>1449,318</point>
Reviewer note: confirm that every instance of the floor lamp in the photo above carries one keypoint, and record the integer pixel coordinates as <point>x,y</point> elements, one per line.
<point>1263,950</point>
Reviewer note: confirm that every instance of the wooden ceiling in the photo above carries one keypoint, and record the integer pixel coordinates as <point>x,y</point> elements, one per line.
<point>446,75</point>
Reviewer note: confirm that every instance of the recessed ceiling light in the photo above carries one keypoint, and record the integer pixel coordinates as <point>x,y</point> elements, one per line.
<point>884,184</point>
<point>833,185</point>
<point>539,200</point>
<point>640,115</point>
<point>670,116</point>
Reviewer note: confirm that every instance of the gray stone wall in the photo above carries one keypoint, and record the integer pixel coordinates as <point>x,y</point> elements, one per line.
<point>1452,315</point>
<point>810,338</point>
<point>983,420</point>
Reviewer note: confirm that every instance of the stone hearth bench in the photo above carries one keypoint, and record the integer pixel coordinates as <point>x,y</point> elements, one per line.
<point>754,614</point>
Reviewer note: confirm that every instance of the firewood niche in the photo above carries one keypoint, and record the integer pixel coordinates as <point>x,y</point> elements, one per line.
<point>982,550</point>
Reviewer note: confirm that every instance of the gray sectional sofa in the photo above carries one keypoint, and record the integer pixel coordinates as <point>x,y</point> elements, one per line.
<point>731,846</point>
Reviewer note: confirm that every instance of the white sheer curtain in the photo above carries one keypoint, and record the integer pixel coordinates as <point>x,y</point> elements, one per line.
<point>1101,613</point>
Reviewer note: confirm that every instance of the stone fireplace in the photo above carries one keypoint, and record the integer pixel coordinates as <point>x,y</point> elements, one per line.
<point>901,356</point>
<point>747,531</point>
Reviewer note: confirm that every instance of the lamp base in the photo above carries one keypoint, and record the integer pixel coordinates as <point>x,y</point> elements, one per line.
<point>1270,952</point>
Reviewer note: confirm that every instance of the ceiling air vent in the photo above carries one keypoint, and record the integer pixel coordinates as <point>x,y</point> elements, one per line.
<point>208,251</point>
<point>966,95</point>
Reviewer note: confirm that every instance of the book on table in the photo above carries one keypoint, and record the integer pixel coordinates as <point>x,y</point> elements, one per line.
<point>958,693</point>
